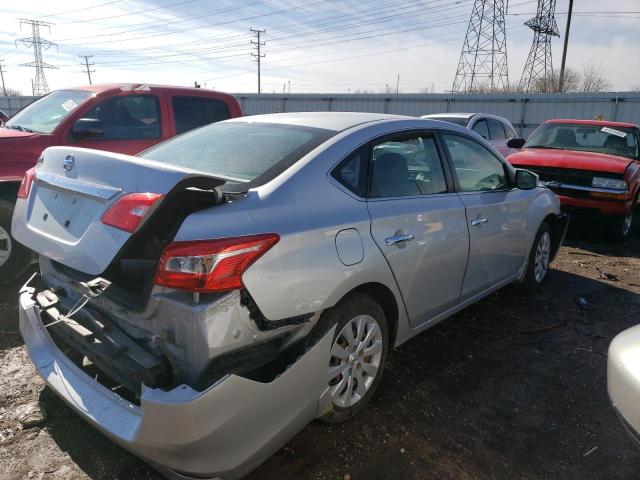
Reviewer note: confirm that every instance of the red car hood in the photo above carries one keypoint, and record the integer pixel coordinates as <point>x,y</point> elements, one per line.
<point>11,133</point>
<point>571,159</point>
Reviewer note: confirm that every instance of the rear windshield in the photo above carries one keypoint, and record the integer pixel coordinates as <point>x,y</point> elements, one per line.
<point>462,121</point>
<point>45,114</point>
<point>240,151</point>
<point>622,141</point>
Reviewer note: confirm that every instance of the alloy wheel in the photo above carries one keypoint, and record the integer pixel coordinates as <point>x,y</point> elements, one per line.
<point>355,360</point>
<point>5,246</point>
<point>543,254</point>
<point>626,224</point>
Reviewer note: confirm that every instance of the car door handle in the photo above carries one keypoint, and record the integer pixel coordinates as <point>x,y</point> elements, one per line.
<point>400,238</point>
<point>478,222</point>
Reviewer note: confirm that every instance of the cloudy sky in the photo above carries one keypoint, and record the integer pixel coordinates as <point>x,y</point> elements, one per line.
<point>311,45</point>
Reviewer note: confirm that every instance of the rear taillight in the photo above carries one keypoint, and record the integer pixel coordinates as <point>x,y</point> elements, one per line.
<point>211,265</point>
<point>129,210</point>
<point>27,180</point>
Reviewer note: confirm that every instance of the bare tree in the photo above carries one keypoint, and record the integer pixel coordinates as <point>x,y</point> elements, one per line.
<point>13,92</point>
<point>550,84</point>
<point>592,79</point>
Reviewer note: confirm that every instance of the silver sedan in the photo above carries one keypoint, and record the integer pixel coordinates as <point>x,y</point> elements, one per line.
<point>623,379</point>
<point>202,302</point>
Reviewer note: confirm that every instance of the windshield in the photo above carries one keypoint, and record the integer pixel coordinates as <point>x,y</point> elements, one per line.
<point>45,114</point>
<point>621,141</point>
<point>462,121</point>
<point>240,151</point>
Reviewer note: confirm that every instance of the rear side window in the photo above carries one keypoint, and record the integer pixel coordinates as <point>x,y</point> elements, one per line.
<point>131,117</point>
<point>407,167</point>
<point>496,129</point>
<point>353,171</point>
<point>481,129</point>
<point>194,112</point>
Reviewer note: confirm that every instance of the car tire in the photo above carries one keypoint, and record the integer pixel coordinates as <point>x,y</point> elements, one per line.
<point>358,353</point>
<point>539,257</point>
<point>621,226</point>
<point>15,259</point>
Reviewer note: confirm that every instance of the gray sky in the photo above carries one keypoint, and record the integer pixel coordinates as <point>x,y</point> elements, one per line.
<point>317,45</point>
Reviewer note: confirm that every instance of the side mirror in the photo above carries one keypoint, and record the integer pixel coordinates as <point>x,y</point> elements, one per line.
<point>88,128</point>
<point>526,180</point>
<point>516,142</point>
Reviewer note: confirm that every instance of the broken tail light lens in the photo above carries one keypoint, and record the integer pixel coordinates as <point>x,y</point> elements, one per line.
<point>27,181</point>
<point>211,265</point>
<point>129,210</point>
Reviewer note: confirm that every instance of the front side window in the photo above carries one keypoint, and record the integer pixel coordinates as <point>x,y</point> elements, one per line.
<point>131,117</point>
<point>240,151</point>
<point>496,129</point>
<point>45,114</point>
<point>622,141</point>
<point>481,129</point>
<point>194,112</point>
<point>406,167</point>
<point>478,170</point>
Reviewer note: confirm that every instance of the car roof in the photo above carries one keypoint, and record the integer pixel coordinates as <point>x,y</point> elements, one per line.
<point>451,115</point>
<point>142,87</point>
<point>336,121</point>
<point>598,123</point>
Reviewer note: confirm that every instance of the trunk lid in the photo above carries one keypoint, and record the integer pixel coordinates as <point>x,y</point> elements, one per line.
<point>61,218</point>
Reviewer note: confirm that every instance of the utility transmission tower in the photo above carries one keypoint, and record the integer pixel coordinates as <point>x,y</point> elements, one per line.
<point>88,71</point>
<point>2,72</point>
<point>40,86</point>
<point>539,66</point>
<point>258,44</point>
<point>483,61</point>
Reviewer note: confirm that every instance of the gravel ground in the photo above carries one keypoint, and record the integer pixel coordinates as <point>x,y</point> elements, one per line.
<point>512,387</point>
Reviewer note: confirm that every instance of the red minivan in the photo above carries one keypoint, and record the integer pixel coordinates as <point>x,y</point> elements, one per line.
<point>123,118</point>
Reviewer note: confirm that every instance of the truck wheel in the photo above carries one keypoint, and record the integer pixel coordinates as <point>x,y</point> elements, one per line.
<point>539,258</point>
<point>14,258</point>
<point>621,227</point>
<point>358,355</point>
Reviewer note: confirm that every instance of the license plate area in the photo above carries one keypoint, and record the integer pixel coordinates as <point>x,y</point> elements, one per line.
<point>63,215</point>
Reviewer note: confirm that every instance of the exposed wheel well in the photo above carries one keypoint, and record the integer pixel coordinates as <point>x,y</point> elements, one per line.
<point>381,294</point>
<point>552,221</point>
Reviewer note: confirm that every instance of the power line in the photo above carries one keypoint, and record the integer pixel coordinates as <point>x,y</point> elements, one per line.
<point>163,33</point>
<point>39,84</point>
<point>258,44</point>
<point>341,26</point>
<point>87,70</point>
<point>80,9</point>
<point>146,10</point>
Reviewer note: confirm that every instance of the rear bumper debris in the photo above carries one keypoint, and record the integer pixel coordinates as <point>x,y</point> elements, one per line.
<point>222,432</point>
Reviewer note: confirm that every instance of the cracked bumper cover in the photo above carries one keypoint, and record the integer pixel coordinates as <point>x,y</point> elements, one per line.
<point>222,432</point>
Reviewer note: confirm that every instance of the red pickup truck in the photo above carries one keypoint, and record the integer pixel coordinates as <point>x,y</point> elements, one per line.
<point>123,118</point>
<point>593,166</point>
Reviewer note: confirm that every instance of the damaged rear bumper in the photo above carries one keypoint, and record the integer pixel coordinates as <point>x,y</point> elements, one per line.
<point>222,432</point>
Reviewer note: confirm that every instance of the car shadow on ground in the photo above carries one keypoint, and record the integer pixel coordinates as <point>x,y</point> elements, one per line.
<point>514,383</point>
<point>594,238</point>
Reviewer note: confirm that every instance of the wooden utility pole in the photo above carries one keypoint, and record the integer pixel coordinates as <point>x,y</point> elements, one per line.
<point>564,50</point>
<point>258,44</point>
